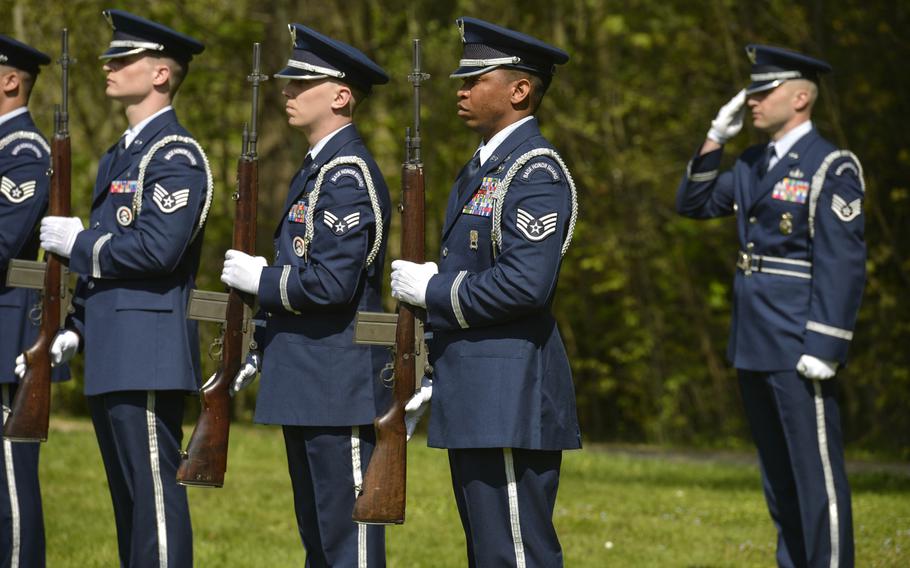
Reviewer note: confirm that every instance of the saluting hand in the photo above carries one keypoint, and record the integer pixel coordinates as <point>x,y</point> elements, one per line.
<point>242,271</point>
<point>815,368</point>
<point>58,234</point>
<point>410,281</point>
<point>729,119</point>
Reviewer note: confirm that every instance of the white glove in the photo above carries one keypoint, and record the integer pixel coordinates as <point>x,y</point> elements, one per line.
<point>247,373</point>
<point>65,345</point>
<point>415,407</point>
<point>410,280</point>
<point>21,367</point>
<point>729,119</point>
<point>242,271</point>
<point>58,234</point>
<point>815,368</point>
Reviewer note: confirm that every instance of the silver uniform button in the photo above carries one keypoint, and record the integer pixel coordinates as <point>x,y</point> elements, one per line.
<point>753,220</point>
<point>445,251</point>
<point>91,285</point>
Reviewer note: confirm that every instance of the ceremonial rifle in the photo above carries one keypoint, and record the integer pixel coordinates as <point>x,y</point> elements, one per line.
<point>382,499</point>
<point>28,419</point>
<point>204,462</point>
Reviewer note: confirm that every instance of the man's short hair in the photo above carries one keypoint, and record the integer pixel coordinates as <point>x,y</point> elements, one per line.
<point>178,69</point>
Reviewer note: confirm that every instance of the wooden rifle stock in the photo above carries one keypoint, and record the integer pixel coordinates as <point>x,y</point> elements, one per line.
<point>204,462</point>
<point>383,496</point>
<point>31,408</point>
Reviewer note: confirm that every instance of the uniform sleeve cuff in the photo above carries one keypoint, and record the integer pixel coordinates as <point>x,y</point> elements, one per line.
<point>82,258</point>
<point>270,286</point>
<point>827,342</point>
<point>705,167</point>
<point>443,304</point>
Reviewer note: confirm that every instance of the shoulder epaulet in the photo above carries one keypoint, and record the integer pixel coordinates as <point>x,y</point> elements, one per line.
<point>363,178</point>
<point>30,141</point>
<point>850,163</point>
<point>517,166</point>
<point>179,150</point>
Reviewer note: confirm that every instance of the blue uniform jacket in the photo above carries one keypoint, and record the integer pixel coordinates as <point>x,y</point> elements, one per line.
<point>801,292</point>
<point>24,184</point>
<point>312,372</point>
<point>138,260</point>
<point>502,376</point>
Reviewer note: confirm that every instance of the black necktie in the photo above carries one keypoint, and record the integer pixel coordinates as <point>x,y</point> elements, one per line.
<point>766,160</point>
<point>470,170</point>
<point>306,163</point>
<point>121,148</point>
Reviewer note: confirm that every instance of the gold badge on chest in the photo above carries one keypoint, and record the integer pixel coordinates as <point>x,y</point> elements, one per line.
<point>786,223</point>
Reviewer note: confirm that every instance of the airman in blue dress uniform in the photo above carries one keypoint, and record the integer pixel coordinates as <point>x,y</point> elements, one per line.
<point>503,401</point>
<point>24,180</point>
<point>329,252</point>
<point>798,203</point>
<point>137,262</point>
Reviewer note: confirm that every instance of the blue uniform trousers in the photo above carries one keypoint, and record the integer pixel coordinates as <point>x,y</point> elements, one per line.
<point>505,498</point>
<point>21,521</point>
<point>796,426</point>
<point>139,434</point>
<point>326,465</point>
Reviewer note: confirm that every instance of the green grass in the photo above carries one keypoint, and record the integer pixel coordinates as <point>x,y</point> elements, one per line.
<point>615,508</point>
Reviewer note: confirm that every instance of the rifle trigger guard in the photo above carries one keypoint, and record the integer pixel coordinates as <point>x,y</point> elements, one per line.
<point>387,374</point>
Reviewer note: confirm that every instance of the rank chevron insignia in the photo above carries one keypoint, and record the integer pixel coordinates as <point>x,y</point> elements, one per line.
<point>536,229</point>
<point>340,226</point>
<point>846,212</point>
<point>17,193</point>
<point>170,202</point>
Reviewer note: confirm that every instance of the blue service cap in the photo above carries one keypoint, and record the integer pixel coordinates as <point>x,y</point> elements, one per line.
<point>488,46</point>
<point>133,34</point>
<point>16,54</point>
<point>316,56</point>
<point>771,66</point>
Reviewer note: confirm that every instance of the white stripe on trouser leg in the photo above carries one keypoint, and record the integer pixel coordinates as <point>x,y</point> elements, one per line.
<point>160,519</point>
<point>829,475</point>
<point>11,487</point>
<point>514,519</point>
<point>358,483</point>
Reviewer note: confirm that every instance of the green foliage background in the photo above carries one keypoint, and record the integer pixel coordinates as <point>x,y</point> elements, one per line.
<point>644,297</point>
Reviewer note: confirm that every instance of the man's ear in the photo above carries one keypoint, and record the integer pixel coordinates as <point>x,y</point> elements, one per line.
<point>520,94</point>
<point>162,75</point>
<point>343,98</point>
<point>801,100</point>
<point>9,82</point>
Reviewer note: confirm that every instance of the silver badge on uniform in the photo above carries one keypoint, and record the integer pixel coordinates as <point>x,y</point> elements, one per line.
<point>340,226</point>
<point>846,212</point>
<point>124,215</point>
<point>299,246</point>
<point>169,202</point>
<point>536,229</point>
<point>17,193</point>
<point>796,173</point>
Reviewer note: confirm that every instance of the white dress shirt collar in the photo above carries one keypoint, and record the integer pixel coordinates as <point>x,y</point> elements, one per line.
<point>314,151</point>
<point>131,133</point>
<point>782,146</point>
<point>12,114</point>
<point>486,149</point>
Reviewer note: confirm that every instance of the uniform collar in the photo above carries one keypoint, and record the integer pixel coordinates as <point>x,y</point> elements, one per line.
<point>133,132</point>
<point>782,146</point>
<point>314,151</point>
<point>486,149</point>
<point>12,114</point>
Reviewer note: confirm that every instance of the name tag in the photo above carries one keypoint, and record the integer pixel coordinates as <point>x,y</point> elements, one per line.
<point>297,212</point>
<point>124,186</point>
<point>482,202</point>
<point>792,190</point>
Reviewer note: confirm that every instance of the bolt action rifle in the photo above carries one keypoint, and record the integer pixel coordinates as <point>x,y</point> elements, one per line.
<point>28,420</point>
<point>204,462</point>
<point>382,499</point>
